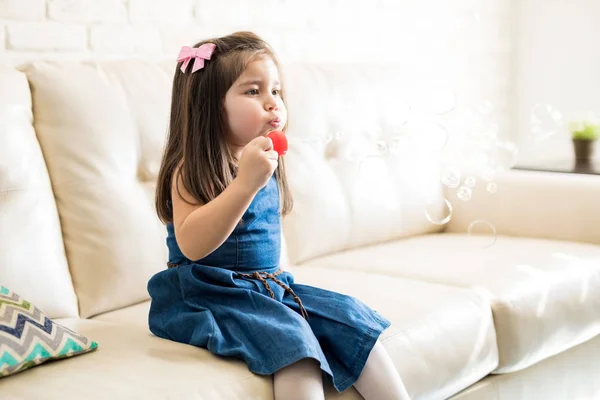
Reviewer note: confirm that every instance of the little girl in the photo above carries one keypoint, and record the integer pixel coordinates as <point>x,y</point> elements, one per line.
<point>221,192</point>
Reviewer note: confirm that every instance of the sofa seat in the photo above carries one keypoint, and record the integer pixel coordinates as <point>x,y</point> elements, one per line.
<point>441,344</point>
<point>570,375</point>
<point>131,363</point>
<point>541,291</point>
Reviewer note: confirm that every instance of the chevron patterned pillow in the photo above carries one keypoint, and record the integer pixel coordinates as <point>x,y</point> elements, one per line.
<point>28,338</point>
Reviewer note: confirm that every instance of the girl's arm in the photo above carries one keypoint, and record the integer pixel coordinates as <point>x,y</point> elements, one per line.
<point>201,229</point>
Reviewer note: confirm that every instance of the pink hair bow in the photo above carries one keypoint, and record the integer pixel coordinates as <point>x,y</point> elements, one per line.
<point>197,54</point>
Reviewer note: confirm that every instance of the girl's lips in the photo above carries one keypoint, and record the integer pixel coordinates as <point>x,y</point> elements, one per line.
<point>275,123</point>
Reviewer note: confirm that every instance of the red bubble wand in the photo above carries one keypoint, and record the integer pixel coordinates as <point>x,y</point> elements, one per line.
<point>280,144</point>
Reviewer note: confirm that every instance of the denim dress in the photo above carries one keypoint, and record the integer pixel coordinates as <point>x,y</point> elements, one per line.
<point>237,302</point>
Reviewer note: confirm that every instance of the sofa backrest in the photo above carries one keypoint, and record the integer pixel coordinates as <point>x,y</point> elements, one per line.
<point>101,129</point>
<point>32,253</point>
<point>360,173</point>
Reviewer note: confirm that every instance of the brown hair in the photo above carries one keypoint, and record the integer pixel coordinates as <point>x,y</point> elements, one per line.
<point>198,125</point>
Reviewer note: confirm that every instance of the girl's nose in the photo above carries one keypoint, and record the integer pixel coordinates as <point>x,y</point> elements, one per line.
<point>271,103</point>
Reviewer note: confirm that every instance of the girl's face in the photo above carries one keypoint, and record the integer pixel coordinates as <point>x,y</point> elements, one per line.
<point>253,104</point>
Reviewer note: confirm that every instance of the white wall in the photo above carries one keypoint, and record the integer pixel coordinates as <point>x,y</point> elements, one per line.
<point>557,62</point>
<point>461,46</point>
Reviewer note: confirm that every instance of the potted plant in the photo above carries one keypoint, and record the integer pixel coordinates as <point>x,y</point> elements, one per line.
<point>584,135</point>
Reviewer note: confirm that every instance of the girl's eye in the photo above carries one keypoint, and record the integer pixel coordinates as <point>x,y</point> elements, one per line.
<point>252,91</point>
<point>276,92</point>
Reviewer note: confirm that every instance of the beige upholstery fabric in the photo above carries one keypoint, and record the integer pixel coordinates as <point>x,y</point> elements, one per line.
<point>533,204</point>
<point>32,256</point>
<point>102,141</point>
<point>543,293</point>
<point>130,363</point>
<point>572,374</point>
<point>348,189</point>
<point>459,311</point>
<point>440,344</point>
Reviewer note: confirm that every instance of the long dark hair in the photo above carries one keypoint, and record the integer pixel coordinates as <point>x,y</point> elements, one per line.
<point>198,125</point>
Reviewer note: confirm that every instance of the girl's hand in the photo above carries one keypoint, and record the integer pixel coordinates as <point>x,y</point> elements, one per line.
<point>257,163</point>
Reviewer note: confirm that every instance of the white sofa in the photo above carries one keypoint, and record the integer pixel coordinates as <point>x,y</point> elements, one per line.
<point>80,146</point>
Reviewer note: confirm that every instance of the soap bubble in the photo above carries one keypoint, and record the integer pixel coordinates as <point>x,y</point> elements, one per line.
<point>470,181</point>
<point>492,187</point>
<point>464,193</point>
<point>487,174</point>
<point>426,135</point>
<point>339,136</point>
<point>503,155</point>
<point>381,146</point>
<point>479,232</point>
<point>451,177</point>
<point>436,215</point>
<point>485,108</point>
<point>545,121</point>
<point>394,146</point>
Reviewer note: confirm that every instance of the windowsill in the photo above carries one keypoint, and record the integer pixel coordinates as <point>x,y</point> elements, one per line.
<point>561,166</point>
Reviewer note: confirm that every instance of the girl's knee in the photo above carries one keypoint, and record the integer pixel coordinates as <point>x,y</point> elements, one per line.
<point>299,381</point>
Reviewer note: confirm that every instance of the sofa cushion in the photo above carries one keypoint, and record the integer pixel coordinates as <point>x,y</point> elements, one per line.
<point>136,315</point>
<point>131,363</point>
<point>28,216</point>
<point>28,338</point>
<point>572,374</point>
<point>101,128</point>
<point>353,162</point>
<point>545,295</point>
<point>535,204</point>
<point>434,328</point>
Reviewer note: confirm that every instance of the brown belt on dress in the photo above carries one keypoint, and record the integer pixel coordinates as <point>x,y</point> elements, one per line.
<point>262,276</point>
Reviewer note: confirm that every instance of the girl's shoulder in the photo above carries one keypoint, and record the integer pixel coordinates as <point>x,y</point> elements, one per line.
<point>182,200</point>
